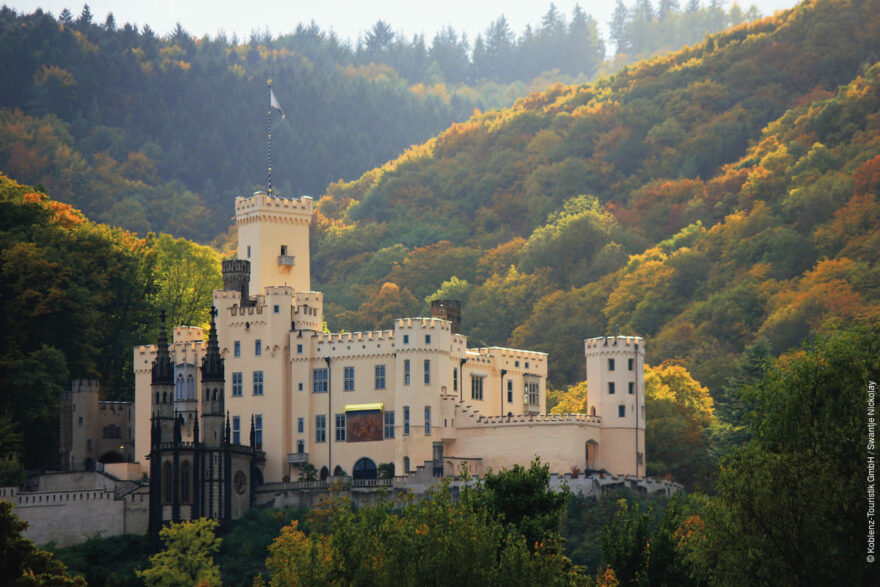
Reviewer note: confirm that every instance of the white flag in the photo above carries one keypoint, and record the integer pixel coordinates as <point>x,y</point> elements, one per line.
<point>273,102</point>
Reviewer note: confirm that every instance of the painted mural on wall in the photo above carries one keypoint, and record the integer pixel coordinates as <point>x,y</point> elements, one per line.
<point>363,425</point>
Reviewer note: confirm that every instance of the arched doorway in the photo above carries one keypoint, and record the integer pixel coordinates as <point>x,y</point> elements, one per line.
<point>325,472</point>
<point>337,471</point>
<point>365,469</point>
<point>592,450</point>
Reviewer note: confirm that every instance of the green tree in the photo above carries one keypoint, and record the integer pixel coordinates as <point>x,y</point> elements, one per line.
<point>21,562</point>
<point>187,557</point>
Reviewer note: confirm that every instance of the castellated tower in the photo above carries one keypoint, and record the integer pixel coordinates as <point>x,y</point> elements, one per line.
<point>273,234</point>
<point>213,381</point>
<point>616,393</point>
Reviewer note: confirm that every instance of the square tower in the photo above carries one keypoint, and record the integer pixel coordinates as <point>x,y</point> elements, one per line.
<point>273,234</point>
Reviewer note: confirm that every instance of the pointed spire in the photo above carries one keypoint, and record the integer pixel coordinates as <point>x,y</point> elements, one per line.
<point>212,364</point>
<point>253,437</point>
<point>163,370</point>
<point>228,430</point>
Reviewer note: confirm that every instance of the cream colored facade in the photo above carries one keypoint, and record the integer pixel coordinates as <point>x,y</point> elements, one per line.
<point>318,397</point>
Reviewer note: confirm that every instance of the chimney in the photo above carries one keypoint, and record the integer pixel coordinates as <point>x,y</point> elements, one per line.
<point>447,310</point>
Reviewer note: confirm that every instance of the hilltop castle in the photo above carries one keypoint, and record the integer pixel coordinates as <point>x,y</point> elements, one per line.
<point>345,403</point>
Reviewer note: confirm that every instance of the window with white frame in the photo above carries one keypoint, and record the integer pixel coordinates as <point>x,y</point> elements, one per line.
<point>320,379</point>
<point>389,424</point>
<point>340,427</point>
<point>321,428</point>
<point>236,384</point>
<point>380,376</point>
<point>348,378</point>
<point>477,387</point>
<point>532,392</point>
<point>236,430</point>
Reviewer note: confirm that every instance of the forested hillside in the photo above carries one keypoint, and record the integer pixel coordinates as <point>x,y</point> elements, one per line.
<point>720,201</point>
<point>152,133</point>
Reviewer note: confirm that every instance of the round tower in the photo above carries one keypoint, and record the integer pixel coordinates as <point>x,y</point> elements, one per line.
<point>616,393</point>
<point>237,277</point>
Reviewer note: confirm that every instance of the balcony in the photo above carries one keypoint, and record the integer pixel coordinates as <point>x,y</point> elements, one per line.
<point>286,260</point>
<point>297,458</point>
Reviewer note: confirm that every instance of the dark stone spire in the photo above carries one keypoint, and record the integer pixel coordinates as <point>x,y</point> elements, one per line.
<point>212,364</point>
<point>163,370</point>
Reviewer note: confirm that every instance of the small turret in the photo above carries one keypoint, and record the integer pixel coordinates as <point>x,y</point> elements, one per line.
<point>163,369</point>
<point>237,277</point>
<point>447,310</point>
<point>162,386</point>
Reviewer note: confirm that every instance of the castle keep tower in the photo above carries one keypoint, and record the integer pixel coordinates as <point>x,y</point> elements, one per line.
<point>616,393</point>
<point>273,234</point>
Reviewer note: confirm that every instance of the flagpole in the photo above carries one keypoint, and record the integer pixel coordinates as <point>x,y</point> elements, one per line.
<point>269,136</point>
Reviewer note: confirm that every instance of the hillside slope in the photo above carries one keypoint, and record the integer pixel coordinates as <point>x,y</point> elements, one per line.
<point>717,200</point>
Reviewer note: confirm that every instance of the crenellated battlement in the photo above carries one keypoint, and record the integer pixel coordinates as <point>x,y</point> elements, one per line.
<point>85,386</point>
<point>263,202</point>
<point>473,418</point>
<point>610,345</point>
<point>340,337</point>
<point>422,322</point>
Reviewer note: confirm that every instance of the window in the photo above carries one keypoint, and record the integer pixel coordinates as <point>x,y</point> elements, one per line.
<point>283,250</point>
<point>532,393</point>
<point>427,371</point>
<point>621,411</point>
<point>249,251</point>
<point>611,364</point>
<point>178,388</point>
<point>405,339</point>
<point>509,391</point>
<point>527,364</point>
<point>321,428</point>
<point>319,380</point>
<point>258,383</point>
<point>340,427</point>
<point>300,446</point>
<point>80,421</point>
<point>611,387</point>
<point>406,420</point>
<point>389,424</point>
<point>190,388</point>
<point>236,384</point>
<point>348,378</point>
<point>454,379</point>
<point>258,347</point>
<point>406,371</point>
<point>406,464</point>
<point>276,308</point>
<point>300,386</point>
<point>236,348</point>
<point>299,349</point>
<point>427,420</point>
<point>427,339</point>
<point>169,482</point>
<point>630,364</point>
<point>476,387</point>
<point>516,364</point>
<point>631,387</point>
<point>258,431</point>
<point>184,481</point>
<point>236,430</point>
<point>380,376</point>
<point>300,425</point>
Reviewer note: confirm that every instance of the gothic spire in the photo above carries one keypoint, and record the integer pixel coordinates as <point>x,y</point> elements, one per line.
<point>163,369</point>
<point>212,364</point>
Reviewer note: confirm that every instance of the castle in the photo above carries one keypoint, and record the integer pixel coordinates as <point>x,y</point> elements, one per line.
<point>346,403</point>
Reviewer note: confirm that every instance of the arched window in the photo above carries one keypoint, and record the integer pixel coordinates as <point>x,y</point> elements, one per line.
<point>325,472</point>
<point>178,388</point>
<point>365,469</point>
<point>190,388</point>
<point>592,410</point>
<point>167,483</point>
<point>337,471</point>
<point>406,465</point>
<point>185,482</point>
